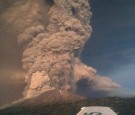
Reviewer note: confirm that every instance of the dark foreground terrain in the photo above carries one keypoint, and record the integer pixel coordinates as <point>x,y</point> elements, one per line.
<point>57,103</point>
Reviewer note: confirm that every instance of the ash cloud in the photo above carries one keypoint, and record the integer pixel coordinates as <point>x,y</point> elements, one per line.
<point>51,54</point>
<point>90,84</point>
<point>52,35</point>
<point>15,17</point>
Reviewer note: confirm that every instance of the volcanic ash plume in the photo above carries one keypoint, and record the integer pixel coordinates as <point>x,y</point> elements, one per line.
<point>51,54</point>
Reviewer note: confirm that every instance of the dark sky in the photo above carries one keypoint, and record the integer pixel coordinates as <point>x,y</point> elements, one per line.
<point>111,48</point>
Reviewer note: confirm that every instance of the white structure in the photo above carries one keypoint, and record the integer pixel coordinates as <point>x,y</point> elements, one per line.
<point>96,110</point>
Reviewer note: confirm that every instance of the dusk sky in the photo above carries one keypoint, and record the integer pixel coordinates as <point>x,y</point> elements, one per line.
<point>111,48</point>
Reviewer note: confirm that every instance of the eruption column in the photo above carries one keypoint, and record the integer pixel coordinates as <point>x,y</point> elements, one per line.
<point>51,54</point>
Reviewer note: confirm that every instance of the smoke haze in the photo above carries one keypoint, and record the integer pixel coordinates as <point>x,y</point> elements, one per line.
<point>11,85</point>
<point>13,15</point>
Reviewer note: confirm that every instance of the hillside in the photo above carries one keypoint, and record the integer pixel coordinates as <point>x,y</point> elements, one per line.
<point>57,103</point>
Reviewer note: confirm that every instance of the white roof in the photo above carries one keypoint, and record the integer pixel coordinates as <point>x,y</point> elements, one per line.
<point>96,110</point>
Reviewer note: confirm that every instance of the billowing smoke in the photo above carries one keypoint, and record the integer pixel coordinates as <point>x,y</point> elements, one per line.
<point>51,54</point>
<point>91,84</point>
<point>52,34</point>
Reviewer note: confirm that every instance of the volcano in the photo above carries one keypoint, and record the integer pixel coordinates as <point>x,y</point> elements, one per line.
<point>56,102</point>
<point>52,102</point>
